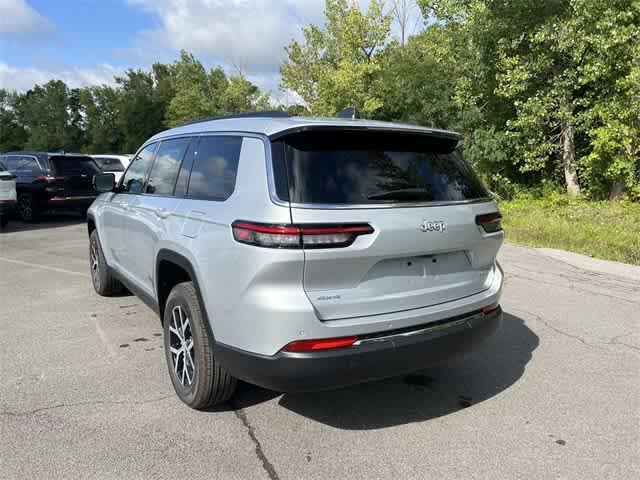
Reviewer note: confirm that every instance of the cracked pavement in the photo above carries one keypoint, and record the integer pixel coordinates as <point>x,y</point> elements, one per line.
<point>85,392</point>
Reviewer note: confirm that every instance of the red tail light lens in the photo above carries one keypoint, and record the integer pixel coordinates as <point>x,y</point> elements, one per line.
<point>490,222</point>
<point>298,236</point>
<point>490,308</point>
<point>323,344</point>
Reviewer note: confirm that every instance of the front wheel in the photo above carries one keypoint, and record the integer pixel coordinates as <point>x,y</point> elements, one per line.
<point>104,283</point>
<point>197,377</point>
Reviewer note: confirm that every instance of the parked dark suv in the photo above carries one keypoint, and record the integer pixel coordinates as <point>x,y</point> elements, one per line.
<point>47,181</point>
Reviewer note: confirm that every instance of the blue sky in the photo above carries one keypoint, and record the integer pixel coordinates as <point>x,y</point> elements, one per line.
<point>86,42</point>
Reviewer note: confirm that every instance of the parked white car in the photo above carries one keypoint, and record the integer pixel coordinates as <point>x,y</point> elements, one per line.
<point>115,164</point>
<point>7,194</point>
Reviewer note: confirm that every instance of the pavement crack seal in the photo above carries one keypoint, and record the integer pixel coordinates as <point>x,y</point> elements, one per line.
<point>555,329</point>
<point>266,464</point>
<point>82,404</point>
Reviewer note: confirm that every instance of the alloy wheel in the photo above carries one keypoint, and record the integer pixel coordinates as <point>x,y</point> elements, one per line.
<point>181,346</point>
<point>26,211</point>
<point>93,260</point>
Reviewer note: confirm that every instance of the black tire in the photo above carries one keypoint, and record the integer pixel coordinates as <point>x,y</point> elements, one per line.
<point>104,283</point>
<point>27,207</point>
<point>4,220</point>
<point>209,384</point>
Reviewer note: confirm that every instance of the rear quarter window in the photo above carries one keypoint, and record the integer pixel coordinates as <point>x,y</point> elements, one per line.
<point>358,167</point>
<point>215,166</point>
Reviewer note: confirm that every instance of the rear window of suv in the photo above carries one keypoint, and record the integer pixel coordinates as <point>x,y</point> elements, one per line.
<point>108,164</point>
<point>74,166</point>
<point>364,167</point>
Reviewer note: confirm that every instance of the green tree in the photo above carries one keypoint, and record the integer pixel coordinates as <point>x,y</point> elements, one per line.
<point>195,92</point>
<point>564,60</point>
<point>142,108</point>
<point>102,110</point>
<point>51,116</point>
<point>13,135</point>
<point>338,66</point>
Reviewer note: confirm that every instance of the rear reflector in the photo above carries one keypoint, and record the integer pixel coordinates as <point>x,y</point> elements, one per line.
<point>490,308</point>
<point>323,344</point>
<point>490,222</point>
<point>298,236</point>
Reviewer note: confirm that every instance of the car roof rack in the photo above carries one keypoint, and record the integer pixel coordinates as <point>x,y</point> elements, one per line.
<point>262,114</point>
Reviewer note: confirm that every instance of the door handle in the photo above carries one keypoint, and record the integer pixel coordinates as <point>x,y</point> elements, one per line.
<point>162,213</point>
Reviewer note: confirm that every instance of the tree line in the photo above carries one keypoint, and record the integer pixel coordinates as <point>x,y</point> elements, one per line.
<point>545,92</point>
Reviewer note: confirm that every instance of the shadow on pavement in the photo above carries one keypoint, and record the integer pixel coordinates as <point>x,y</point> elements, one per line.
<point>430,393</point>
<point>46,221</point>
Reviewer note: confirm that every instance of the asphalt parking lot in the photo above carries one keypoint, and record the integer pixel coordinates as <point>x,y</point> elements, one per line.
<point>85,392</point>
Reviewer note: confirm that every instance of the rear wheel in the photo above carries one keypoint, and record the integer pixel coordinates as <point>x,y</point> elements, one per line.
<point>197,377</point>
<point>104,283</point>
<point>28,207</point>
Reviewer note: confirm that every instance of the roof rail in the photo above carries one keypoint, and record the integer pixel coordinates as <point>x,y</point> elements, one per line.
<point>262,114</point>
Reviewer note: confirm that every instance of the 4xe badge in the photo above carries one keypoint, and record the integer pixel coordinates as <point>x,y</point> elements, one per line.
<point>433,226</point>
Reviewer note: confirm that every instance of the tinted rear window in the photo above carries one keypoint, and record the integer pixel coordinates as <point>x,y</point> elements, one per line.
<point>74,166</point>
<point>351,167</point>
<point>213,175</point>
<point>109,164</point>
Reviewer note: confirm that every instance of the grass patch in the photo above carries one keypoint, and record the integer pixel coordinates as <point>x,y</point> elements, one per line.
<point>608,230</point>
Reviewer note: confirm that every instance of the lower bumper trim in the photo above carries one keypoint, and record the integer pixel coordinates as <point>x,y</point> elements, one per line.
<point>373,358</point>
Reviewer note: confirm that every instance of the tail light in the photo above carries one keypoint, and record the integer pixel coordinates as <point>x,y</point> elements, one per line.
<point>490,308</point>
<point>490,222</point>
<point>298,236</point>
<point>322,344</point>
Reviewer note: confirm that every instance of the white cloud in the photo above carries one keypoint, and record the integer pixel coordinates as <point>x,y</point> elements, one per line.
<point>248,33</point>
<point>23,78</point>
<point>19,19</point>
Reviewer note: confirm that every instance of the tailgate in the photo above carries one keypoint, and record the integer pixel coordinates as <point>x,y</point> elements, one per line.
<point>422,201</point>
<point>399,266</point>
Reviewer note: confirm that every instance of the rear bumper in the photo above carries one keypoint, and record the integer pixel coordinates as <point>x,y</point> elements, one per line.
<point>377,357</point>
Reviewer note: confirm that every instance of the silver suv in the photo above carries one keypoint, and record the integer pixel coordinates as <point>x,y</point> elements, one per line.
<point>300,254</point>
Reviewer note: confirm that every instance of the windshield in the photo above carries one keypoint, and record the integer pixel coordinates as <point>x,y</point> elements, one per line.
<point>109,164</point>
<point>74,166</point>
<point>351,167</point>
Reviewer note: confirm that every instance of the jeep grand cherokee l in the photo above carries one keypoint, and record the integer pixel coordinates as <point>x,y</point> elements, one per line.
<point>50,181</point>
<point>300,254</point>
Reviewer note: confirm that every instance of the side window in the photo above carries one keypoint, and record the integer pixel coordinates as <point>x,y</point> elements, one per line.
<point>27,166</point>
<point>10,162</point>
<point>133,180</point>
<point>185,169</point>
<point>165,169</point>
<point>213,176</point>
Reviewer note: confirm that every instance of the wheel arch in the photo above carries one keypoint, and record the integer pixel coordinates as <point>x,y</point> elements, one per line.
<point>173,268</point>
<point>91,223</point>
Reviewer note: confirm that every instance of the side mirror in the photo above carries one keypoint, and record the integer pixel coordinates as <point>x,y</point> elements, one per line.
<point>104,182</point>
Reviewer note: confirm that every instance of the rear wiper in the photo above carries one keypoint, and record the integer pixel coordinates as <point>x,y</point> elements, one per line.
<point>403,194</point>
